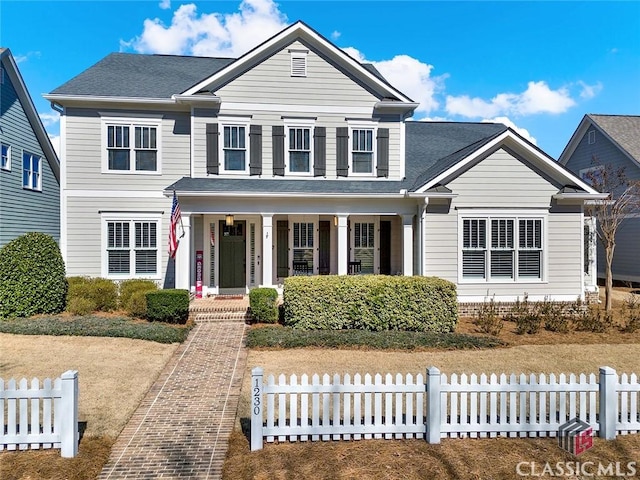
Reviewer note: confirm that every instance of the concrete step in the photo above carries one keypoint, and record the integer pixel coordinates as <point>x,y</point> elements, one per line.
<point>228,316</point>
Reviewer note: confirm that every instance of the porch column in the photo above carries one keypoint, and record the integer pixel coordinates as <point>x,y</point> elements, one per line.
<point>183,255</point>
<point>407,245</point>
<point>267,250</point>
<point>343,247</point>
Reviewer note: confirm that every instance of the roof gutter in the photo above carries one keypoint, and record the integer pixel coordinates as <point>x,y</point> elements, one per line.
<point>53,97</point>
<point>179,98</point>
<point>187,193</point>
<point>580,196</point>
<point>392,108</point>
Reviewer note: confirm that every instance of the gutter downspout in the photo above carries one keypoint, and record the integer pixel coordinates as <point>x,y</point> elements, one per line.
<point>422,210</point>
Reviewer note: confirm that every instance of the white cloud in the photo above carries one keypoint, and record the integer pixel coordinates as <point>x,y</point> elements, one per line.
<point>335,35</point>
<point>49,119</point>
<point>537,98</point>
<point>210,34</point>
<point>507,121</point>
<point>409,75</point>
<point>165,4</point>
<point>55,141</point>
<point>589,91</point>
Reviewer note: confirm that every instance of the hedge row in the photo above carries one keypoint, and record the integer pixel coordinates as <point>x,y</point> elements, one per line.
<point>263,303</point>
<point>370,302</point>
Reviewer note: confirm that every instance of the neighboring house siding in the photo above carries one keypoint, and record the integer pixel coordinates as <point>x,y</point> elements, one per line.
<point>605,152</point>
<point>23,210</point>
<point>85,150</point>
<point>626,256</point>
<point>498,185</point>
<point>271,82</point>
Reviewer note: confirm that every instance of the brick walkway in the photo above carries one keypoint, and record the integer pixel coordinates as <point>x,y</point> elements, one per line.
<point>181,428</point>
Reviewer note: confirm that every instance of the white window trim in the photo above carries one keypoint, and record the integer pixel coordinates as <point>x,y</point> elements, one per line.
<point>234,122</point>
<point>591,137</point>
<point>298,55</point>
<point>299,123</point>
<point>465,214</point>
<point>38,188</point>
<point>375,219</point>
<point>364,125</point>
<point>314,219</point>
<point>105,218</point>
<point>131,122</point>
<point>7,167</point>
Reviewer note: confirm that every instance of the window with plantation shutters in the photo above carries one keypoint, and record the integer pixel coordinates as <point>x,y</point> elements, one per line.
<point>132,248</point>
<point>474,248</point>
<point>530,248</point>
<point>303,237</point>
<point>498,249</point>
<point>363,245</point>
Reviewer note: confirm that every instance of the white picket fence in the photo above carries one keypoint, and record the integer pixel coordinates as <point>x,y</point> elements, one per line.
<point>365,407</point>
<point>40,416</point>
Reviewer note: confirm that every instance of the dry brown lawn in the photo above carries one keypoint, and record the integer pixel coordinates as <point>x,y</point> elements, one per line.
<point>114,374</point>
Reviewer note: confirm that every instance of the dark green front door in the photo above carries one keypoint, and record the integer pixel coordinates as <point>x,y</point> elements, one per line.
<point>233,255</point>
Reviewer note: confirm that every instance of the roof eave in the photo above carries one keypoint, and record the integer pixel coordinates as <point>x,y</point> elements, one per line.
<point>197,99</point>
<point>580,196</point>
<point>189,193</point>
<point>66,98</point>
<point>405,109</point>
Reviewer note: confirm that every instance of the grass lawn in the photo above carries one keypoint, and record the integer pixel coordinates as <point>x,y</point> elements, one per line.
<point>114,375</point>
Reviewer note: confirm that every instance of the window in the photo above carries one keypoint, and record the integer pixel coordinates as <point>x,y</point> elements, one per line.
<point>362,150</point>
<point>299,149</point>
<point>494,249</point>
<point>234,148</point>
<point>591,137</point>
<point>298,63</point>
<point>593,175</point>
<point>363,245</point>
<point>131,147</point>
<point>31,171</point>
<point>303,234</point>
<point>5,156</point>
<point>132,248</point>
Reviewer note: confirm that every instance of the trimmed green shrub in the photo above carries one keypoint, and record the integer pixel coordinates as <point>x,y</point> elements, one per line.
<point>264,305</point>
<point>101,291</point>
<point>135,289</point>
<point>32,276</point>
<point>81,306</point>
<point>370,302</point>
<point>170,305</point>
<point>488,319</point>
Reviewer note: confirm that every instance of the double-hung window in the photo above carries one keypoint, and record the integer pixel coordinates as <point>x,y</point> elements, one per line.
<point>362,150</point>
<point>131,146</point>
<point>5,157</point>
<point>235,148</point>
<point>502,249</point>
<point>131,248</point>
<point>299,149</point>
<point>31,171</point>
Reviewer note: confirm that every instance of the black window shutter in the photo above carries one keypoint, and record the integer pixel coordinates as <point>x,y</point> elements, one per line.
<point>383,152</point>
<point>319,151</point>
<point>342,151</point>
<point>278,149</point>
<point>255,150</point>
<point>212,149</point>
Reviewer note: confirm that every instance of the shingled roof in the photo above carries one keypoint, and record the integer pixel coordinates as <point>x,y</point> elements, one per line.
<point>623,130</point>
<point>431,148</point>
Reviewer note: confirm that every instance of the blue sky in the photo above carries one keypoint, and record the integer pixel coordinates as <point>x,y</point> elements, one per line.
<point>537,66</point>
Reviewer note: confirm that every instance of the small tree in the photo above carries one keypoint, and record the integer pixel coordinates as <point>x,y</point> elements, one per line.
<point>623,200</point>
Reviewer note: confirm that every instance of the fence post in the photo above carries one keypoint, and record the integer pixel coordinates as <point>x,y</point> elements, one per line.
<point>256,409</point>
<point>608,414</point>
<point>434,410</point>
<point>69,435</point>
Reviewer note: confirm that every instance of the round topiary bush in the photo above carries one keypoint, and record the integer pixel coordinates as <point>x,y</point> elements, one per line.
<point>32,276</point>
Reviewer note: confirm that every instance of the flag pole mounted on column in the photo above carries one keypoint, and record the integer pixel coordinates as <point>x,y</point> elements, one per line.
<point>176,216</point>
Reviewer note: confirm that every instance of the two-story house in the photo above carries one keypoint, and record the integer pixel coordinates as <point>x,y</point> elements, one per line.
<point>29,167</point>
<point>612,140</point>
<point>296,159</point>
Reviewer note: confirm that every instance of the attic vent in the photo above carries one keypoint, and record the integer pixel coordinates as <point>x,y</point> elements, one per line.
<point>592,137</point>
<point>298,63</point>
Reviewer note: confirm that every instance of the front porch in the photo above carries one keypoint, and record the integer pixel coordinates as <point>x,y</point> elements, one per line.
<point>232,253</point>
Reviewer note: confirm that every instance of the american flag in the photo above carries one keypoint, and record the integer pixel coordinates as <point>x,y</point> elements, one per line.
<point>175,218</point>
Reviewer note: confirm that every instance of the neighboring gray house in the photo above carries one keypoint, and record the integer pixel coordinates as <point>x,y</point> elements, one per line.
<point>614,140</point>
<point>296,159</point>
<point>29,166</point>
